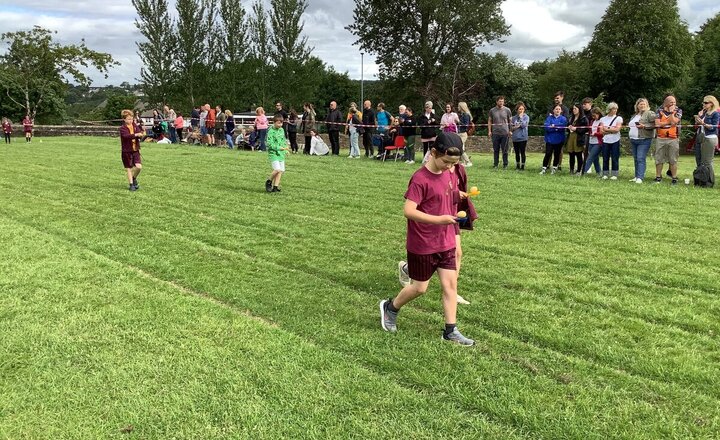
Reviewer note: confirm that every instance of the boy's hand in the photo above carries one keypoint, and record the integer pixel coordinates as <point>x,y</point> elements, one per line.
<point>446,220</point>
<point>463,195</point>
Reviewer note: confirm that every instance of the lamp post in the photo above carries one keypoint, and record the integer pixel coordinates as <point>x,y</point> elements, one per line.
<point>362,79</point>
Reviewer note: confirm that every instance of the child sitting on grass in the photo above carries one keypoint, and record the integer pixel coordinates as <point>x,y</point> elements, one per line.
<point>276,147</point>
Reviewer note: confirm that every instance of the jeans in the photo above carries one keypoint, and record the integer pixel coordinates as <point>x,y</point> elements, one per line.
<point>500,141</point>
<point>593,158</point>
<point>611,153</point>
<point>173,135</point>
<point>354,147</point>
<point>640,148</point>
<point>229,139</point>
<point>262,136</point>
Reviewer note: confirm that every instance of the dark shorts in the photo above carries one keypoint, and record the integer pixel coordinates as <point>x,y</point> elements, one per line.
<point>130,158</point>
<point>211,131</point>
<point>422,267</point>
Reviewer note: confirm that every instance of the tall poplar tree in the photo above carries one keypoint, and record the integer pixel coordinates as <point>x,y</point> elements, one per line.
<point>158,73</point>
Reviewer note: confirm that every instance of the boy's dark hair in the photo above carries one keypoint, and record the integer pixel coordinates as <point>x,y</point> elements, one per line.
<point>559,93</point>
<point>448,144</point>
<point>277,118</point>
<point>499,97</point>
<point>408,109</point>
<point>587,101</point>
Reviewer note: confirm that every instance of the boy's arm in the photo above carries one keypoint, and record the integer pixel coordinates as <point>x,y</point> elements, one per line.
<point>411,213</point>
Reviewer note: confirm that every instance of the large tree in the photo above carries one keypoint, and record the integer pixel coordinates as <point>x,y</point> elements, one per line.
<point>34,70</point>
<point>706,72</point>
<point>233,47</point>
<point>261,52</point>
<point>434,35</point>
<point>190,55</point>
<point>157,74</point>
<point>639,50</point>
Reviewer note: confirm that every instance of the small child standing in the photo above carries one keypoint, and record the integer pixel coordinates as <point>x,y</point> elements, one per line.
<point>276,147</point>
<point>429,209</point>
<point>28,128</point>
<point>7,129</point>
<point>130,135</point>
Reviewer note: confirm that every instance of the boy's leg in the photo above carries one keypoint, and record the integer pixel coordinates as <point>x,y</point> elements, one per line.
<point>458,259</point>
<point>276,179</point>
<point>136,170</point>
<point>130,175</point>
<point>448,282</point>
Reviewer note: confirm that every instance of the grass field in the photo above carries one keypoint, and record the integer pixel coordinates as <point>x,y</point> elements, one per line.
<point>202,307</point>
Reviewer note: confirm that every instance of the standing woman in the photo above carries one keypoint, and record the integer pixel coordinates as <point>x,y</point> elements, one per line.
<point>708,119</point>
<point>555,125</point>
<point>179,126</point>
<point>28,128</point>
<point>641,136</point>
<point>519,126</point>
<point>429,126</point>
<point>465,120</point>
<point>7,129</point>
<point>450,120</point>
<point>576,138</point>
<point>292,130</point>
<point>594,141</point>
<point>261,125</point>
<point>610,128</point>
<point>308,125</point>
<point>229,128</point>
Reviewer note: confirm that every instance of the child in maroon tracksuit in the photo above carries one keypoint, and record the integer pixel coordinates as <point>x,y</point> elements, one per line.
<point>7,129</point>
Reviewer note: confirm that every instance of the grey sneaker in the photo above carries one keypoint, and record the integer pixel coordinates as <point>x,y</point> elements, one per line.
<point>458,338</point>
<point>403,275</point>
<point>387,318</point>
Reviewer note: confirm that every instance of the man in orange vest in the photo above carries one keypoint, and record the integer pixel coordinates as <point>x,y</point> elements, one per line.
<point>667,149</point>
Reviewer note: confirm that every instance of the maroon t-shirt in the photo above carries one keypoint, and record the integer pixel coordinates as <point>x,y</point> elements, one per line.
<point>434,195</point>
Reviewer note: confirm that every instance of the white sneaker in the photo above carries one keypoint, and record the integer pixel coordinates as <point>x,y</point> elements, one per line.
<point>461,300</point>
<point>543,170</point>
<point>554,170</point>
<point>633,180</point>
<point>605,177</point>
<point>638,180</point>
<point>613,178</point>
<point>403,275</point>
<point>590,171</point>
<point>468,165</point>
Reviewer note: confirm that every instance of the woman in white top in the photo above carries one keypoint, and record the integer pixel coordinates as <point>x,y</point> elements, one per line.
<point>610,128</point>
<point>595,139</point>
<point>450,120</point>
<point>641,135</point>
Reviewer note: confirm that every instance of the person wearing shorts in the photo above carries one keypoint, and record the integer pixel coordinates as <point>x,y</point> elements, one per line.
<point>130,136</point>
<point>667,147</point>
<point>277,147</point>
<point>429,206</point>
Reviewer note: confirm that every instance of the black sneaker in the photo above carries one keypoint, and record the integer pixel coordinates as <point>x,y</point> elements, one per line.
<point>276,189</point>
<point>674,182</point>
<point>135,183</point>
<point>132,187</point>
<point>658,179</point>
<point>268,185</point>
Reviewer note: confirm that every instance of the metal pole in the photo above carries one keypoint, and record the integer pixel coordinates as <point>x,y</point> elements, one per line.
<point>362,79</point>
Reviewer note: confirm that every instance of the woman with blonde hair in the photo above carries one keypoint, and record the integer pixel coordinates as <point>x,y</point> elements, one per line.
<point>641,135</point>
<point>261,126</point>
<point>465,120</point>
<point>708,119</point>
<point>229,128</point>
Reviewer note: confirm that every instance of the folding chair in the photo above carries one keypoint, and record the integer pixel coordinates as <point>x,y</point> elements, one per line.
<point>398,145</point>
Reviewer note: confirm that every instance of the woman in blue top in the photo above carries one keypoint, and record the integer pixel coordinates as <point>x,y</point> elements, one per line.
<point>708,119</point>
<point>555,125</point>
<point>519,126</point>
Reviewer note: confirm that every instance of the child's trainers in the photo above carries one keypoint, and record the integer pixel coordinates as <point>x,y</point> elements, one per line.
<point>458,338</point>
<point>268,185</point>
<point>135,183</point>
<point>461,300</point>
<point>403,275</point>
<point>387,318</point>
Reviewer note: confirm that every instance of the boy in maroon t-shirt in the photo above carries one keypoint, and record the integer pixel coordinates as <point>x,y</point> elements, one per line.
<point>429,208</point>
<point>130,136</point>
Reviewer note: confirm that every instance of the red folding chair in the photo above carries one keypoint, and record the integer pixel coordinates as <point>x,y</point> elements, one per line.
<point>398,145</point>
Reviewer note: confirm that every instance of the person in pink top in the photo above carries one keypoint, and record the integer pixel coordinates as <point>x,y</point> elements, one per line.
<point>450,120</point>
<point>28,128</point>
<point>429,209</point>
<point>261,125</point>
<point>179,125</point>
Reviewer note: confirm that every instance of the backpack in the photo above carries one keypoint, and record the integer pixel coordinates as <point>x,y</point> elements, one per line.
<point>703,176</point>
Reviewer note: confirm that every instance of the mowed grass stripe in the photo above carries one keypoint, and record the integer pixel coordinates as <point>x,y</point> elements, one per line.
<point>91,347</point>
<point>466,372</point>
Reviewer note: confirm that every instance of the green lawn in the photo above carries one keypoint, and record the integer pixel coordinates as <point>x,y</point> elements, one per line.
<point>203,307</point>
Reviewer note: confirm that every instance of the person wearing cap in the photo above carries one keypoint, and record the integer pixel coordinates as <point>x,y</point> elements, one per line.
<point>429,209</point>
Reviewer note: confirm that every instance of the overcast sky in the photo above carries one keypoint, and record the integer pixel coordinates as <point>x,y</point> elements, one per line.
<point>539,28</point>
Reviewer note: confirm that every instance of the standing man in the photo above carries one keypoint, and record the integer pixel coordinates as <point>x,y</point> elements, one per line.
<point>194,119</point>
<point>558,100</point>
<point>279,111</point>
<point>368,120</point>
<point>667,148</point>
<point>203,124</point>
<point>210,124</point>
<point>333,120</point>
<point>499,130</point>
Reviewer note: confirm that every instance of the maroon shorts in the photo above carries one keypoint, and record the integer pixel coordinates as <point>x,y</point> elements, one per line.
<point>130,158</point>
<point>422,267</point>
